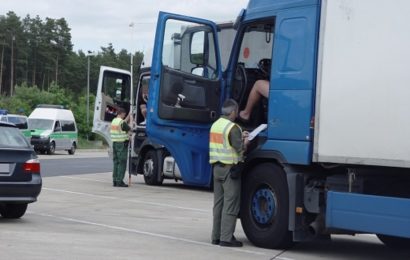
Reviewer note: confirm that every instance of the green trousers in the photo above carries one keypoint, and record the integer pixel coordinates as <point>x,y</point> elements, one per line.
<point>120,153</point>
<point>226,203</point>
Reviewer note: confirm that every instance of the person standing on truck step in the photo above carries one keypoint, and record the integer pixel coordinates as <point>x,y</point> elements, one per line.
<point>120,139</point>
<point>226,147</point>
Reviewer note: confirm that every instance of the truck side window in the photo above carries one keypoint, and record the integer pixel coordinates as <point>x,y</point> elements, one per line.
<point>115,93</point>
<point>190,48</point>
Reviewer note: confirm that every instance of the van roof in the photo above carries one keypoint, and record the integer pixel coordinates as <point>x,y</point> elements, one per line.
<point>50,106</point>
<point>52,113</point>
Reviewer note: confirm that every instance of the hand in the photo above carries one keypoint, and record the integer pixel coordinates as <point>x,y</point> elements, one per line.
<point>245,136</point>
<point>145,97</point>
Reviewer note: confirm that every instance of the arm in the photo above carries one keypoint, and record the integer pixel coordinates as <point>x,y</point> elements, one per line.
<point>238,140</point>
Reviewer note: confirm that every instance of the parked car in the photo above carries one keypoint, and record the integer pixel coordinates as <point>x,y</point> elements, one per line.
<point>20,121</point>
<point>20,178</point>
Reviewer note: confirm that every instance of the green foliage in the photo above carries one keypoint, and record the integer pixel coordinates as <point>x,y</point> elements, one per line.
<point>40,52</point>
<point>27,98</point>
<point>47,71</point>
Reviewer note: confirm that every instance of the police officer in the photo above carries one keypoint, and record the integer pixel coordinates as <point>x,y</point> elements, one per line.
<point>120,139</point>
<point>226,147</point>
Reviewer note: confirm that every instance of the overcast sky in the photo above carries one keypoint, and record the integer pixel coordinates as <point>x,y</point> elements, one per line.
<point>95,23</point>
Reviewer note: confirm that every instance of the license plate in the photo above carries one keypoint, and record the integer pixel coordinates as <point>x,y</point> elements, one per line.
<point>4,168</point>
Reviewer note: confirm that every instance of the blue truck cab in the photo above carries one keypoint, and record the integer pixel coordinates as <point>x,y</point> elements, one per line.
<point>334,157</point>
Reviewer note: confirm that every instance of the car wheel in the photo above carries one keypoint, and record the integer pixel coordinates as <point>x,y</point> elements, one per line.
<point>265,207</point>
<point>13,210</point>
<point>151,168</point>
<point>72,149</point>
<point>52,148</point>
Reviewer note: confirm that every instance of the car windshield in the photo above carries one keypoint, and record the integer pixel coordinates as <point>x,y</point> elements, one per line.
<point>12,137</point>
<point>20,122</point>
<point>41,124</point>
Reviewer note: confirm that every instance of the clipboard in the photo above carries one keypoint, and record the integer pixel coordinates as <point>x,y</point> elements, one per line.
<point>256,131</point>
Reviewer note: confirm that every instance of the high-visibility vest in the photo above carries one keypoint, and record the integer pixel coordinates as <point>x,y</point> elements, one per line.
<point>220,149</point>
<point>117,134</point>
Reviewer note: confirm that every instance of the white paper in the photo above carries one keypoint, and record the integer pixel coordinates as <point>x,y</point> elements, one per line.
<point>256,131</point>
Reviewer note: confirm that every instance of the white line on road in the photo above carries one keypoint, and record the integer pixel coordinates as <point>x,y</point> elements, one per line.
<point>83,179</point>
<point>141,232</point>
<point>128,200</point>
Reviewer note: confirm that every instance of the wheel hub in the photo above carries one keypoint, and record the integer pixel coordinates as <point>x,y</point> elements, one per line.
<point>263,206</point>
<point>148,167</point>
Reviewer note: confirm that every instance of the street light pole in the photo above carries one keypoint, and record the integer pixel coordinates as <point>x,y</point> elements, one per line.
<point>13,38</point>
<point>90,53</point>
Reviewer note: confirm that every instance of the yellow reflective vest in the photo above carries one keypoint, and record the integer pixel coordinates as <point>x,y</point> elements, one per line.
<point>220,149</point>
<point>117,134</point>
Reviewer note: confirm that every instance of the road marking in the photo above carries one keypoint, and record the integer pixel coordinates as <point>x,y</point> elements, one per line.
<point>127,200</point>
<point>105,180</point>
<point>158,235</point>
<point>83,179</point>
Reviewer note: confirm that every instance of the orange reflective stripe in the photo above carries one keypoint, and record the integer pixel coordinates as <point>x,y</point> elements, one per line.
<point>216,138</point>
<point>115,127</point>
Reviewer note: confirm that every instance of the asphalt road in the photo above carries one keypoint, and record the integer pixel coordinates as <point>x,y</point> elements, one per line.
<point>82,162</point>
<point>82,216</point>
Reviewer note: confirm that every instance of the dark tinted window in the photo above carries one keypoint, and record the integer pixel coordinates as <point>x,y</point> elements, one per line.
<point>68,125</point>
<point>20,122</point>
<point>12,137</point>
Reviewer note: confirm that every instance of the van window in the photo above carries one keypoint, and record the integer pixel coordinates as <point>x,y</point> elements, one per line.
<point>41,124</point>
<point>67,126</point>
<point>57,127</point>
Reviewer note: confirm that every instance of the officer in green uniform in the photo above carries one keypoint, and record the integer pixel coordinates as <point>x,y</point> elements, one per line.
<point>226,147</point>
<point>120,139</point>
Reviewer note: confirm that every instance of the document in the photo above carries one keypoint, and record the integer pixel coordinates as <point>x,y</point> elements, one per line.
<point>256,131</point>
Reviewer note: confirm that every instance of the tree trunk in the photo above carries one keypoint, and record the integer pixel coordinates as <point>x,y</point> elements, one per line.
<point>1,69</point>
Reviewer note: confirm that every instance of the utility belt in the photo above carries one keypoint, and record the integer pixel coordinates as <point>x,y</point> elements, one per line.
<point>236,169</point>
<point>222,164</point>
<point>125,143</point>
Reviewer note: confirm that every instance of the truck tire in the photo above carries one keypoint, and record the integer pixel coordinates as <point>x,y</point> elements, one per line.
<point>394,242</point>
<point>265,207</point>
<point>52,148</point>
<point>151,168</point>
<point>13,210</point>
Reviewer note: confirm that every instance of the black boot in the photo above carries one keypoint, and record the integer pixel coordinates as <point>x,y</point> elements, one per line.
<point>121,184</point>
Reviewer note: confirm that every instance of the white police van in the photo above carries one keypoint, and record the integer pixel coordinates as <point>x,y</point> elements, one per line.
<point>53,128</point>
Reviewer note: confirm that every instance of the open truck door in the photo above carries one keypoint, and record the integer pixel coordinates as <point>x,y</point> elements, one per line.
<point>113,91</point>
<point>185,92</point>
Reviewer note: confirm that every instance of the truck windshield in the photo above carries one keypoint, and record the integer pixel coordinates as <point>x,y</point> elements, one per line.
<point>41,124</point>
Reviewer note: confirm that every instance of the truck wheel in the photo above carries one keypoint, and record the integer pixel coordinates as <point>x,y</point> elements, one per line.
<point>13,210</point>
<point>72,149</point>
<point>52,148</point>
<point>265,207</point>
<point>151,168</point>
<point>395,242</point>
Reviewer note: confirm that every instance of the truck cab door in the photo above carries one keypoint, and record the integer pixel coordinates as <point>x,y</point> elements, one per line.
<point>113,91</point>
<point>185,92</point>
